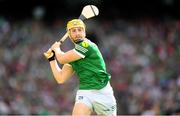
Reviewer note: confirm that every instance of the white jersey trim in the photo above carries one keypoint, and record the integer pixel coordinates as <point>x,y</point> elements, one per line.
<point>82,49</point>
<point>81,55</point>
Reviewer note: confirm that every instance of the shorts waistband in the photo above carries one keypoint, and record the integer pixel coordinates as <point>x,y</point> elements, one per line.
<point>107,88</point>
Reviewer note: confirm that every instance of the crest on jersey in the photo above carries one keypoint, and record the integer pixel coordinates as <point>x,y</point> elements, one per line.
<point>85,44</point>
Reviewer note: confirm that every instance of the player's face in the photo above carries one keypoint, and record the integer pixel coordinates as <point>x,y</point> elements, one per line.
<point>77,33</point>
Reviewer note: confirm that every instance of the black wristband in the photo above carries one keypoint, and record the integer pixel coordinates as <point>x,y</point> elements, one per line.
<point>53,57</point>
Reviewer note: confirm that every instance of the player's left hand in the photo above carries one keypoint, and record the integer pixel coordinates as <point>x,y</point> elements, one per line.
<point>50,55</point>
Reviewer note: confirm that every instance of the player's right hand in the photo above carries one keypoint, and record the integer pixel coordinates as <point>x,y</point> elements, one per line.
<point>50,55</point>
<point>55,46</point>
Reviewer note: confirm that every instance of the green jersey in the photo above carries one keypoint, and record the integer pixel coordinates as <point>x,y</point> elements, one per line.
<point>91,69</point>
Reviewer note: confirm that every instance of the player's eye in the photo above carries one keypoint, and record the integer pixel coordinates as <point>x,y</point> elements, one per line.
<point>80,29</point>
<point>77,30</point>
<point>73,30</point>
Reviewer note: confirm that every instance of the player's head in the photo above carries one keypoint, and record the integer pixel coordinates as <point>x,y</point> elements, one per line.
<point>76,29</point>
<point>75,23</point>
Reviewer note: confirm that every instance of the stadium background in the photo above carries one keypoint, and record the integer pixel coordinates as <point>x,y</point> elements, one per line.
<point>139,40</point>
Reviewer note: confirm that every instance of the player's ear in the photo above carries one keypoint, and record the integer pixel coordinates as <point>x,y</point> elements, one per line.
<point>69,33</point>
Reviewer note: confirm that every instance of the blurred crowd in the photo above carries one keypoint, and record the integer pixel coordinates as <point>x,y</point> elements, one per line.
<point>142,56</point>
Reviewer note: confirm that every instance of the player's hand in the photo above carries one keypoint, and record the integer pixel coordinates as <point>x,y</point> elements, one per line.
<point>56,46</point>
<point>50,55</point>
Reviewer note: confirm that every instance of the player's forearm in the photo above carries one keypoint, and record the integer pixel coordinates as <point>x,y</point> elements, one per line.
<point>57,72</point>
<point>59,56</point>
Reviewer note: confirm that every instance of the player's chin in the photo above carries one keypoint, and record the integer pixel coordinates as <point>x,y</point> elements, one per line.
<point>78,40</point>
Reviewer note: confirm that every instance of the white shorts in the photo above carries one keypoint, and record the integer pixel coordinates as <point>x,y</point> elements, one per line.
<point>101,101</point>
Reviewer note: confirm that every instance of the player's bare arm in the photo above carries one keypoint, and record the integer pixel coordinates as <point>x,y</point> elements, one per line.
<point>62,57</point>
<point>61,75</point>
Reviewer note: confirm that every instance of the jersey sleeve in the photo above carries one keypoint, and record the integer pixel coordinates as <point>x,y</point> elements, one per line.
<point>83,49</point>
